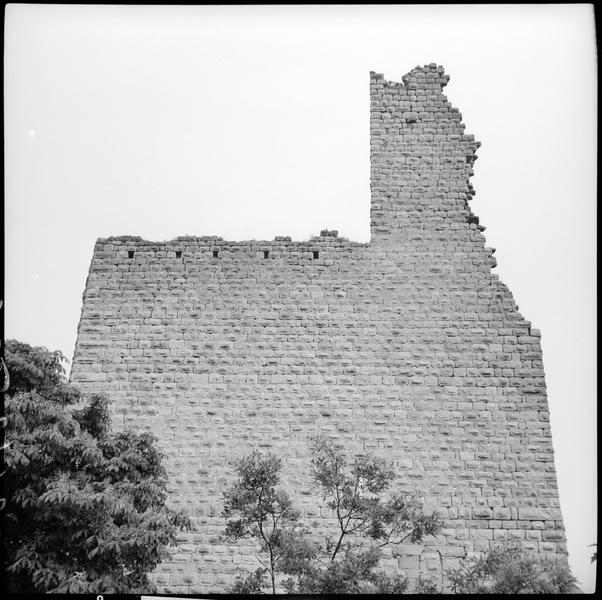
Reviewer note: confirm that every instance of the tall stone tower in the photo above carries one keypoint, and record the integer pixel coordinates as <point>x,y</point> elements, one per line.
<point>407,346</point>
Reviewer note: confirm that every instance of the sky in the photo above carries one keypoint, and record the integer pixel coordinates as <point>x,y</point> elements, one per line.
<point>252,122</point>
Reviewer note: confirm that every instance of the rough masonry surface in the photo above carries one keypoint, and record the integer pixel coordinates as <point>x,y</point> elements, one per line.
<point>407,346</point>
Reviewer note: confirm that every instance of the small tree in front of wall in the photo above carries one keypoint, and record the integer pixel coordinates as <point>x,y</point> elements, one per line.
<point>258,510</point>
<point>508,569</point>
<point>365,520</point>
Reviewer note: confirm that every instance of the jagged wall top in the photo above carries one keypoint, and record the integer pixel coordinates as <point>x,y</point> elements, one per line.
<point>428,76</point>
<point>421,159</point>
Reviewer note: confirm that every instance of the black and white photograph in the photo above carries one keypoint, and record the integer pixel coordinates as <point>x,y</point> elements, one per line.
<point>299,299</point>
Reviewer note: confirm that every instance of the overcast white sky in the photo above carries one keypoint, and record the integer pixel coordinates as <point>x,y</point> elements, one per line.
<point>251,122</point>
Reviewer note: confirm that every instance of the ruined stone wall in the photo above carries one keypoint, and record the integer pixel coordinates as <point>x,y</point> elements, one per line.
<point>407,346</point>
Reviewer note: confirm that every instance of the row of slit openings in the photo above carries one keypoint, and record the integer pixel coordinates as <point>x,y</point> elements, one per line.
<point>266,253</point>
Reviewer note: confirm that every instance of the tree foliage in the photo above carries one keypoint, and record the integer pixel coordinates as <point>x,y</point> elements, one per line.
<point>365,518</point>
<point>249,583</point>
<point>86,507</point>
<point>258,510</point>
<point>508,569</point>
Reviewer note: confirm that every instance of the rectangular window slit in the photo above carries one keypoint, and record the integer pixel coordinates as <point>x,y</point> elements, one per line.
<point>316,254</point>
<point>266,254</point>
<point>178,254</point>
<point>215,254</point>
<point>130,254</point>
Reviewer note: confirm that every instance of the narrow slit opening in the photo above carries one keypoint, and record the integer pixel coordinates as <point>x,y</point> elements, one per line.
<point>316,254</point>
<point>178,254</point>
<point>130,254</point>
<point>266,254</point>
<point>215,254</point>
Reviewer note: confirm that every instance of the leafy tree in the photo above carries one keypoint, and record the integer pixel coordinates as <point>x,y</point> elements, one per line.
<point>356,496</point>
<point>365,520</point>
<point>86,507</point>
<point>426,586</point>
<point>258,510</point>
<point>250,583</point>
<point>34,368</point>
<point>508,569</point>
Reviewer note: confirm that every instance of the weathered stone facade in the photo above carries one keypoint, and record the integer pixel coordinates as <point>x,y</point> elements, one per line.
<point>407,346</point>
